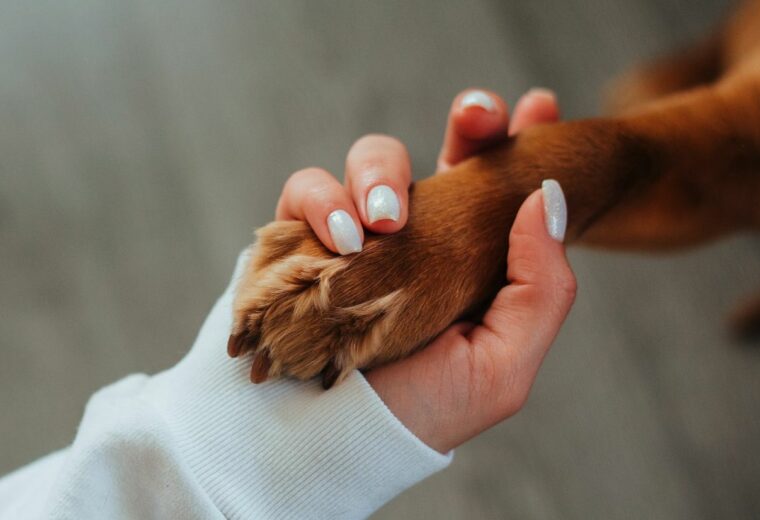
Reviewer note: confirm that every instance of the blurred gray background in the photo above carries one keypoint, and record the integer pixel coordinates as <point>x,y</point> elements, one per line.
<point>141,142</point>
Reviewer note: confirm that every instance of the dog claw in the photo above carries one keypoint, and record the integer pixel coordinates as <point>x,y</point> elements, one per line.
<point>234,345</point>
<point>286,311</point>
<point>260,368</point>
<point>330,375</point>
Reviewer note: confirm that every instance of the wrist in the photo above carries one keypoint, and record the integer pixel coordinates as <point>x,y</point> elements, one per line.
<point>415,406</point>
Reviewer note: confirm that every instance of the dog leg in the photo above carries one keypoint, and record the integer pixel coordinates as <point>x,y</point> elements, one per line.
<point>708,144</point>
<point>700,64</point>
<point>673,173</point>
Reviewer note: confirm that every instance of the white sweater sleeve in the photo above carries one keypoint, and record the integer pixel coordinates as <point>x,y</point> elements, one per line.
<point>200,441</point>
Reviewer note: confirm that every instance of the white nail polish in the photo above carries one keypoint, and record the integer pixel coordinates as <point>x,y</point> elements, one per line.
<point>478,98</point>
<point>343,232</point>
<point>382,204</point>
<point>555,209</point>
<point>540,91</point>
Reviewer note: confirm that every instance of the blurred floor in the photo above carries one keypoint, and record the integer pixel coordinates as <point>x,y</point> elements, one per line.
<point>142,141</point>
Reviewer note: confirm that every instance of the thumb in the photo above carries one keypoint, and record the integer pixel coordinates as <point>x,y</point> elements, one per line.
<point>471,378</point>
<point>526,315</point>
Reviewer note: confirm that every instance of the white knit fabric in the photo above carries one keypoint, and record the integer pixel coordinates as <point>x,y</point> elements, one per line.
<point>200,441</point>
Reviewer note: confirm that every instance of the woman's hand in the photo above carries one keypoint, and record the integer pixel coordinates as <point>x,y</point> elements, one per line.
<point>472,376</point>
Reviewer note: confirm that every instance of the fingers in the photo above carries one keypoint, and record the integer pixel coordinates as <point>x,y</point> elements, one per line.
<point>378,170</point>
<point>536,106</point>
<point>477,119</point>
<point>526,315</point>
<point>378,174</point>
<point>376,195</point>
<point>317,197</point>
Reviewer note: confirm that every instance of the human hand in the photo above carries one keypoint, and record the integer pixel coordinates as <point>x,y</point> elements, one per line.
<point>472,376</point>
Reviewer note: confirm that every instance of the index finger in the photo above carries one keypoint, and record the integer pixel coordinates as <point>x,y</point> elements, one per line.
<point>378,175</point>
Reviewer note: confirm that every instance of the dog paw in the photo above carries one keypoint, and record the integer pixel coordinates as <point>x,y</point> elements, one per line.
<point>290,315</point>
<point>302,311</point>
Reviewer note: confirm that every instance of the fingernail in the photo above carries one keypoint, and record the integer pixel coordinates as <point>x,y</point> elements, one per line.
<point>555,209</point>
<point>543,92</point>
<point>478,98</point>
<point>382,204</point>
<point>343,232</point>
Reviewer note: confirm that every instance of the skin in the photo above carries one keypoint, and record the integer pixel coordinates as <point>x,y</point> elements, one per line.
<point>472,376</point>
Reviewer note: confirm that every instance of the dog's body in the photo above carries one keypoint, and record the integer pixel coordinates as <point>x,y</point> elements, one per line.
<point>678,164</point>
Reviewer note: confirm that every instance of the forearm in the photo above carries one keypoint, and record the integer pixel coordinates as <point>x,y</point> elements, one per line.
<point>200,441</point>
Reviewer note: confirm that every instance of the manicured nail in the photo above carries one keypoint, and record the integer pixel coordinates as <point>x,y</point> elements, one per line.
<point>555,209</point>
<point>478,98</point>
<point>343,232</point>
<point>543,92</point>
<point>382,204</point>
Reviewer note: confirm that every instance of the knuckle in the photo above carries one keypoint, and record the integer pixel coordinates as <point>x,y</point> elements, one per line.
<point>392,142</point>
<point>375,153</point>
<point>379,140</point>
<point>566,286</point>
<point>555,293</point>
<point>311,191</point>
<point>559,296</point>
<point>319,192</point>
<point>304,175</point>
<point>312,185</point>
<point>378,159</point>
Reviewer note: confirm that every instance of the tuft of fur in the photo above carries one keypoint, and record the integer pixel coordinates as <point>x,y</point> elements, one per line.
<point>284,311</point>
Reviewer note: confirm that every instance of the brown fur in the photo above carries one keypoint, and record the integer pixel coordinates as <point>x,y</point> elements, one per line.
<point>679,165</point>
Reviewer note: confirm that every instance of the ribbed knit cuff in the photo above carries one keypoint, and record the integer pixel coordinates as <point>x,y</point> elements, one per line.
<point>284,449</point>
